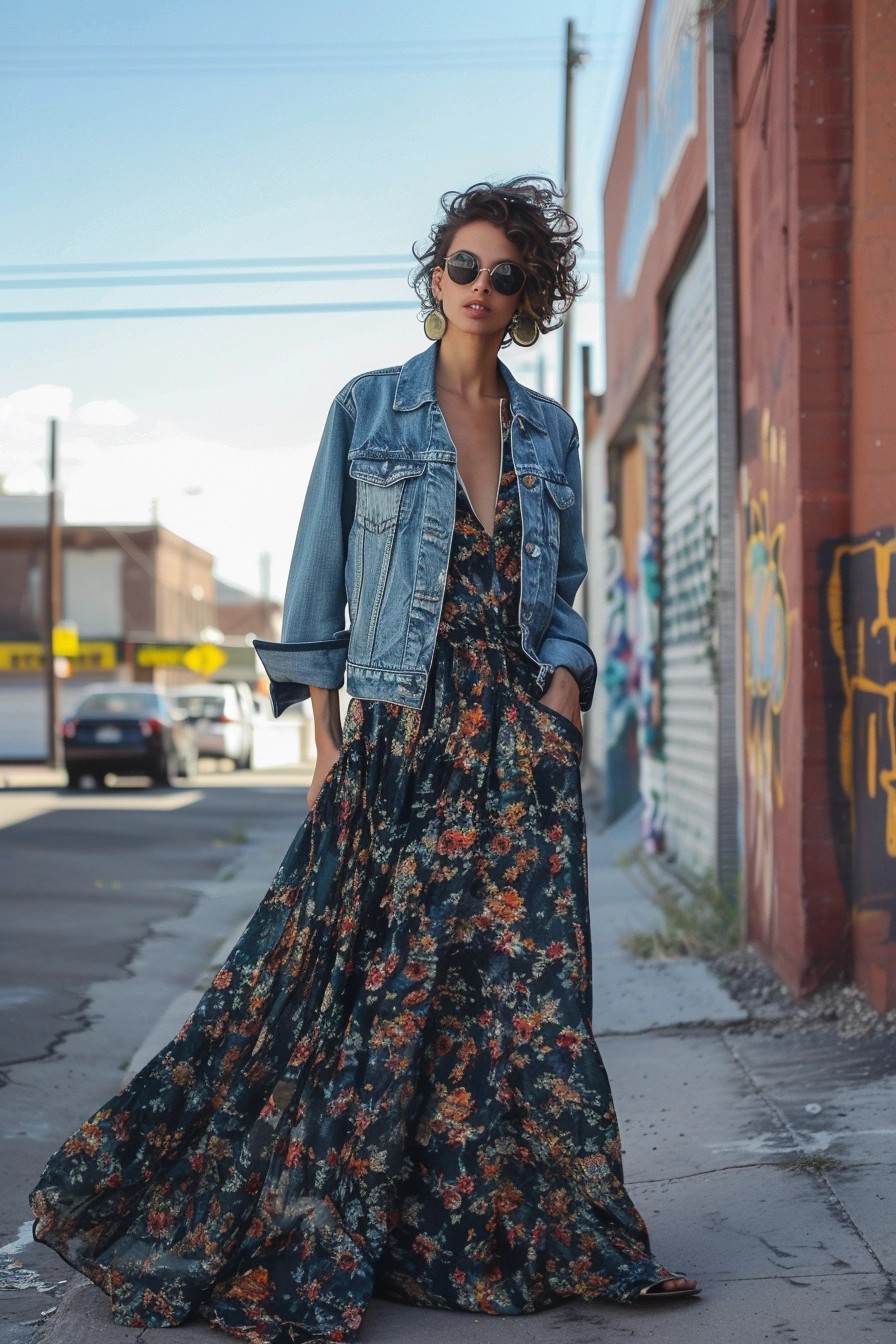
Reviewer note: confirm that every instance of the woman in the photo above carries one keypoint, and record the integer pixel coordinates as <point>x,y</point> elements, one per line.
<point>392,1084</point>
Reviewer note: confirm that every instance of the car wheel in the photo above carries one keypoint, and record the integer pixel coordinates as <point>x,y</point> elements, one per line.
<point>163,778</point>
<point>74,779</point>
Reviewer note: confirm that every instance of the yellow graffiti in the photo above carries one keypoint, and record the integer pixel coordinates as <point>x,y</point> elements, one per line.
<point>773,443</point>
<point>767,620</point>
<point>856,652</point>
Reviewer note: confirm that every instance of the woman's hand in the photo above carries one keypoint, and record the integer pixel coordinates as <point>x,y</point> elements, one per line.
<point>327,736</point>
<point>327,756</point>
<point>563,695</point>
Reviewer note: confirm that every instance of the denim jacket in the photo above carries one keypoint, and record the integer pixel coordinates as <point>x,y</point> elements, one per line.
<point>375,535</point>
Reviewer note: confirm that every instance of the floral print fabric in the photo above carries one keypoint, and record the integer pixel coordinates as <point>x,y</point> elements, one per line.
<point>392,1084</point>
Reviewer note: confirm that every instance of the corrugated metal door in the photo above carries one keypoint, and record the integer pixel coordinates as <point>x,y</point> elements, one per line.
<point>689,607</point>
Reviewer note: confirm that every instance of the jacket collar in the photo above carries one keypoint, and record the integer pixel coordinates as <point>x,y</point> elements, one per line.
<point>417,386</point>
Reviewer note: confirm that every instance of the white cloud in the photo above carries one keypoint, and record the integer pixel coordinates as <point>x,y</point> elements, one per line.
<point>47,401</point>
<point>105,413</point>
<point>235,501</point>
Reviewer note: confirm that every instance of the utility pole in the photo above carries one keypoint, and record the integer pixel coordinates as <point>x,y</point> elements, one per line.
<point>575,55</point>
<point>52,606</point>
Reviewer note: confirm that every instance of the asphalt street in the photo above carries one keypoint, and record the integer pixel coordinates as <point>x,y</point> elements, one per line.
<point>112,906</point>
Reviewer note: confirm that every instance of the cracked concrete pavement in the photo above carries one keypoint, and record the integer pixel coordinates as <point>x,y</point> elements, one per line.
<point>763,1164</point>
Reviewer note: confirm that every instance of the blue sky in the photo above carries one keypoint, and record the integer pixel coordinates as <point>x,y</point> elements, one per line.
<point>159,131</point>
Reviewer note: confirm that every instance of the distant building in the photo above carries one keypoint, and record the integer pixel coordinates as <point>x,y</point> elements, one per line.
<point>118,583</point>
<point>241,613</point>
<point>126,585</point>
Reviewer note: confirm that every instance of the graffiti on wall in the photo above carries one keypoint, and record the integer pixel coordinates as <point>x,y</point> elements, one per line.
<point>691,588</point>
<point>622,680</point>
<point>767,618</point>
<point>767,623</point>
<point>859,613</point>
<point>634,764</point>
<point>665,120</point>
<point>650,728</point>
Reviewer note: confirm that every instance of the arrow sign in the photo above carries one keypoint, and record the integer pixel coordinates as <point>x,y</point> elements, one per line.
<point>204,659</point>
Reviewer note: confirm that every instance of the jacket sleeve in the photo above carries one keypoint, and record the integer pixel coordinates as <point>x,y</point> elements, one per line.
<point>315,638</point>
<point>565,643</point>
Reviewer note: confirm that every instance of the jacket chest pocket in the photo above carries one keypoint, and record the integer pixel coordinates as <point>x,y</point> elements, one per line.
<point>548,497</point>
<point>380,487</point>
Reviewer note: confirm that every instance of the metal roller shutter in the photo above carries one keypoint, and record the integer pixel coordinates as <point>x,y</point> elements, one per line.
<point>690,530</point>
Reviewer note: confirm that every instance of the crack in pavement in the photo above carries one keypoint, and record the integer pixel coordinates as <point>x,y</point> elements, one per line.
<point>710,1171</point>
<point>701,1026</point>
<point>81,1021</point>
<point>794,1134</point>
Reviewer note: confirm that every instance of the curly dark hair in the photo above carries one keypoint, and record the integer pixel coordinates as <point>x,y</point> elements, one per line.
<point>530,212</point>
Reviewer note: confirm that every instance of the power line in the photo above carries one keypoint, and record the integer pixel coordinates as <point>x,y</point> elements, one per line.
<point>270,58</point>
<point>205,278</point>
<point>220,310</point>
<point>383,261</point>
<point>368,259</point>
<point>396,44</point>
<point>134,275</point>
<point>225,310</point>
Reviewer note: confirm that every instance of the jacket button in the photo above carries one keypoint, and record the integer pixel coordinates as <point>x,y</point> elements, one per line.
<point>531,549</point>
<point>529,480</point>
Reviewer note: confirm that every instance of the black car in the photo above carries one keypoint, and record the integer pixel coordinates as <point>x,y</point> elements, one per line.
<point>128,730</point>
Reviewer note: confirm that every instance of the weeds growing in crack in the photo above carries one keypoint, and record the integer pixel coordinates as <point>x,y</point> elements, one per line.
<point>698,921</point>
<point>237,836</point>
<point>811,1162</point>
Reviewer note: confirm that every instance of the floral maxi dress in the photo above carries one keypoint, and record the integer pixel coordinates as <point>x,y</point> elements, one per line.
<point>392,1085</point>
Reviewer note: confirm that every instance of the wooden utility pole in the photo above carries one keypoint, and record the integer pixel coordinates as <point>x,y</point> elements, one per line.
<point>575,55</point>
<point>52,606</point>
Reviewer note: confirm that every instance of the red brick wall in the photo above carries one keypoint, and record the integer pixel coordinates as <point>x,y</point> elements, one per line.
<point>873,493</point>
<point>793,156</point>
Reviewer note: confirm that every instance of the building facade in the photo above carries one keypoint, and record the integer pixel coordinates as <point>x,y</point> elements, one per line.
<point>117,583</point>
<point>751,649</point>
<point>144,602</point>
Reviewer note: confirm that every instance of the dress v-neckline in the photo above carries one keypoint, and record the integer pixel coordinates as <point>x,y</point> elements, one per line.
<point>504,427</point>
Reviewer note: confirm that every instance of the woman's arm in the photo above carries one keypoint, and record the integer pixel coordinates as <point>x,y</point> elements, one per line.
<point>314,641</point>
<point>565,644</point>
<point>327,736</point>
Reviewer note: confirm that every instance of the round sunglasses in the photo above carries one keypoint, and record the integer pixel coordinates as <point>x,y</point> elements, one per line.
<point>464,267</point>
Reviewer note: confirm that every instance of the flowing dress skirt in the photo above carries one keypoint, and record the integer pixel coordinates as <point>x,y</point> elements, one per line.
<point>392,1085</point>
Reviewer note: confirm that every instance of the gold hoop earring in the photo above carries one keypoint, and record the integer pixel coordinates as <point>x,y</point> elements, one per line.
<point>523,329</point>
<point>435,323</point>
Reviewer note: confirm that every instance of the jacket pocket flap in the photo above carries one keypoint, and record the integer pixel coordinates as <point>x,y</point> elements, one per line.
<point>383,470</point>
<point>561,493</point>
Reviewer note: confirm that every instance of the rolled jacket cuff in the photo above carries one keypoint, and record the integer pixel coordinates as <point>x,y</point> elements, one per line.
<point>293,669</point>
<point>578,658</point>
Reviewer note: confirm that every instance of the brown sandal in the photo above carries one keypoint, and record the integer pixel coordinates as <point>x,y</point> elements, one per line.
<point>655,1291</point>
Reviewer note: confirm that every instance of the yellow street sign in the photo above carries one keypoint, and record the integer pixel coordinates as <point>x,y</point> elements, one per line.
<point>65,640</point>
<point>160,655</point>
<point>21,657</point>
<point>95,655</point>
<point>205,659</point>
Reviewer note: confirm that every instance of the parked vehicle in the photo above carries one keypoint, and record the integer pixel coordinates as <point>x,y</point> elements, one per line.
<point>222,714</point>
<point>128,729</point>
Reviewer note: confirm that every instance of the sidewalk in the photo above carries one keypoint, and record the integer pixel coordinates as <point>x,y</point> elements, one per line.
<point>763,1163</point>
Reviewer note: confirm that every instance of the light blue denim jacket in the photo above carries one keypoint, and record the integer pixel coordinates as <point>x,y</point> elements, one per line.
<point>375,535</point>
